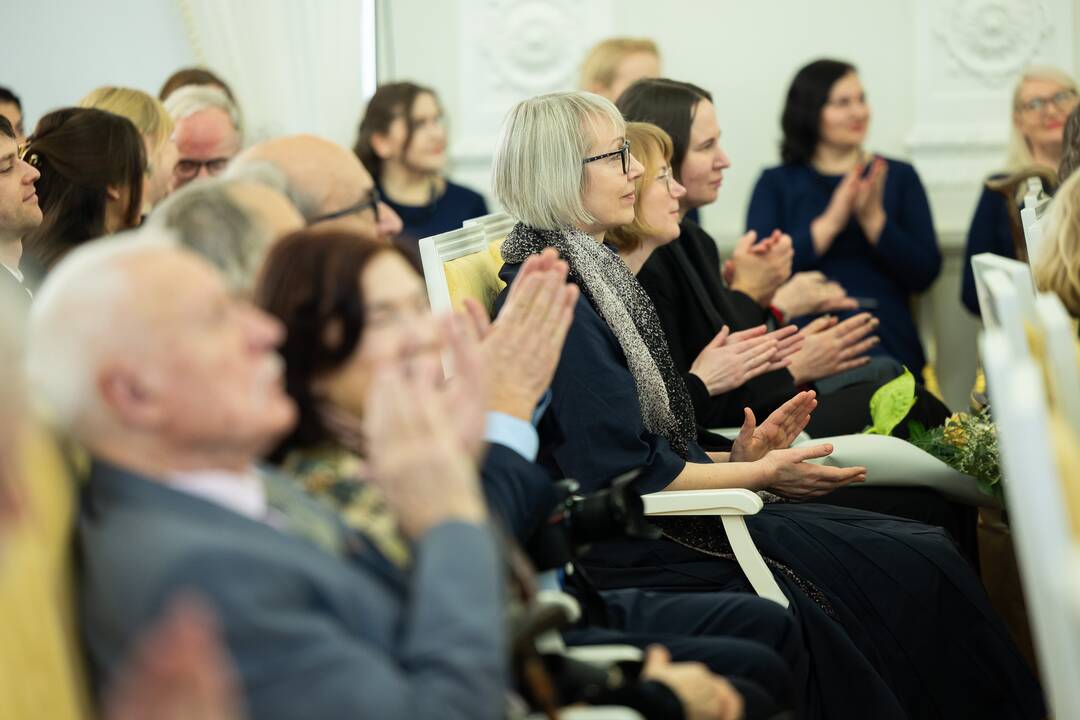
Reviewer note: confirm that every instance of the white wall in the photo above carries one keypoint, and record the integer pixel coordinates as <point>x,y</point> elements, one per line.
<point>54,52</point>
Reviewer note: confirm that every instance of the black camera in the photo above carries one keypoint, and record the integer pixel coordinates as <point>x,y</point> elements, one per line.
<point>614,513</point>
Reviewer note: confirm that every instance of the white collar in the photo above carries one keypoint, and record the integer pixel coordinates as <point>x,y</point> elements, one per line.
<point>243,493</point>
<point>16,272</point>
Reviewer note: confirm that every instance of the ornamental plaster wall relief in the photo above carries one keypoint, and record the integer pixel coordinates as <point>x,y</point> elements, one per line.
<point>509,50</point>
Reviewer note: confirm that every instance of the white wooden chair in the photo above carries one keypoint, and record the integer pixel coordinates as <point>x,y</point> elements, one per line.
<point>1021,305</point>
<point>1033,216</point>
<point>1033,487</point>
<point>449,279</point>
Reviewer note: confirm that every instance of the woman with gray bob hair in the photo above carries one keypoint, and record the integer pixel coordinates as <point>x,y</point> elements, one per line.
<point>563,168</point>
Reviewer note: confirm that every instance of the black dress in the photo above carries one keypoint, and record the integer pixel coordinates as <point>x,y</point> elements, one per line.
<point>683,280</point>
<point>896,622</point>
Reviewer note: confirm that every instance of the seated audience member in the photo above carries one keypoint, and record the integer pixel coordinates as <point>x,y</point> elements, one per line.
<point>93,170</point>
<point>208,132</point>
<point>173,387</point>
<point>231,223</point>
<point>19,210</point>
<point>614,64</point>
<point>1057,269</point>
<point>1042,99</point>
<point>327,184</point>
<point>186,77</point>
<point>861,219</point>
<point>179,665</point>
<point>564,170</point>
<point>150,118</point>
<point>11,108</point>
<point>371,305</point>
<point>684,281</point>
<point>1070,151</point>
<point>402,143</point>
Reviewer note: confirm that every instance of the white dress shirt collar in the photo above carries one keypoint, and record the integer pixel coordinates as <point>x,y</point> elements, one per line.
<point>243,493</point>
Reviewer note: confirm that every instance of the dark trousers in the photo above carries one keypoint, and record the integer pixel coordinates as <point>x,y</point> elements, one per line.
<point>753,642</point>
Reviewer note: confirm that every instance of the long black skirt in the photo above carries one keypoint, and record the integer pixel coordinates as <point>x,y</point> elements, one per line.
<point>896,622</point>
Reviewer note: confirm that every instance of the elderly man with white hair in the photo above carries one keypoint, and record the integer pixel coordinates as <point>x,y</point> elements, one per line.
<point>173,386</point>
<point>208,132</point>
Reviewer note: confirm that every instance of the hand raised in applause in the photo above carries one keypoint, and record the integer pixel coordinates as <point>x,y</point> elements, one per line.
<point>415,453</point>
<point>522,347</point>
<point>177,670</point>
<point>731,359</point>
<point>811,293</point>
<point>831,347</point>
<point>757,269</point>
<point>777,432</point>
<point>869,200</point>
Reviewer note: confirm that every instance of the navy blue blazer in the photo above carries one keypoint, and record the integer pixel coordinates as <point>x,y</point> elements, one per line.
<point>312,633</point>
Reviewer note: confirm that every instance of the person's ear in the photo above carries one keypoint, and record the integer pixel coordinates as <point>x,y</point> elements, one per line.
<point>382,145</point>
<point>112,192</point>
<point>130,395</point>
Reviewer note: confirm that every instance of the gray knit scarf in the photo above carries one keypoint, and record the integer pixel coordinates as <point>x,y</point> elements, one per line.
<point>624,305</point>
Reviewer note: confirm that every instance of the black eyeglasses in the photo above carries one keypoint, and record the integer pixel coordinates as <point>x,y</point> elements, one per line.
<point>1062,100</point>
<point>372,202</point>
<point>188,169</point>
<point>623,152</point>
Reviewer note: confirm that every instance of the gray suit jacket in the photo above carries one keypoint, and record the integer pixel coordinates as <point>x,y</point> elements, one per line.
<point>313,634</point>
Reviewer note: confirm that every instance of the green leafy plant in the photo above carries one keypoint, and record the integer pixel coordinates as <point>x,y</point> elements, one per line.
<point>967,442</point>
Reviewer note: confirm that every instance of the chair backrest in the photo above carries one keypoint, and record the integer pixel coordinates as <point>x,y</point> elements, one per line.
<point>1033,219</point>
<point>458,264</point>
<point>1060,356</point>
<point>1006,297</point>
<point>1037,516</point>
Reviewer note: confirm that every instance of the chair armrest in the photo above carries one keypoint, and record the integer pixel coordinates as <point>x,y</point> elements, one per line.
<point>735,501</point>
<point>892,462</point>
<point>596,712</point>
<point>604,654</point>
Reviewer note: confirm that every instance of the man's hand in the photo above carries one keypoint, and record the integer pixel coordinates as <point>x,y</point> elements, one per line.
<point>522,347</point>
<point>704,696</point>
<point>811,293</point>
<point>831,347</point>
<point>415,452</point>
<point>757,269</point>
<point>777,432</point>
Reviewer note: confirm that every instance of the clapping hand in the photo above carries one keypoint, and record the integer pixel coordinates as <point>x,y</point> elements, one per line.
<point>778,431</point>
<point>521,349</point>
<point>416,455</point>
<point>704,696</point>
<point>786,472</point>
<point>868,203</point>
<point>731,359</point>
<point>811,293</point>
<point>831,347</point>
<point>757,269</point>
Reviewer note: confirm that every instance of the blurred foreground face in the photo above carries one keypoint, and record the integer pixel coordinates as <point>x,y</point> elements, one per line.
<point>398,324</point>
<point>209,376</point>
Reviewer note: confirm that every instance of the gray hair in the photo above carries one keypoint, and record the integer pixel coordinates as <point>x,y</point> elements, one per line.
<point>208,220</point>
<point>266,172</point>
<point>191,99</point>
<point>72,321</point>
<point>538,176</point>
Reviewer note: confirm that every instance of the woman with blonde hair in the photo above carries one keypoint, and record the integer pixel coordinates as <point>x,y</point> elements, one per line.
<point>614,64</point>
<point>896,621</point>
<point>1057,269</point>
<point>1043,98</point>
<point>148,116</point>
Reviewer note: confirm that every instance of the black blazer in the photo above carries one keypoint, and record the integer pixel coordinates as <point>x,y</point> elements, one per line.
<point>690,323</point>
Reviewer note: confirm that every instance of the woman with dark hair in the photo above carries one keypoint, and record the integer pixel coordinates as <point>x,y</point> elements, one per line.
<point>93,168</point>
<point>862,220</point>
<point>896,621</point>
<point>694,304</point>
<point>402,143</point>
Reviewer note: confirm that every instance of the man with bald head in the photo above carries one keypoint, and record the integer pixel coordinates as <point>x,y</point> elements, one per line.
<point>173,385</point>
<point>330,186</point>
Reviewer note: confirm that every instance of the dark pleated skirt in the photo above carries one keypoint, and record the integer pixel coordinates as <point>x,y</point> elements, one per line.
<point>896,621</point>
